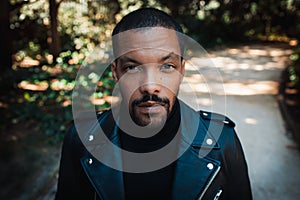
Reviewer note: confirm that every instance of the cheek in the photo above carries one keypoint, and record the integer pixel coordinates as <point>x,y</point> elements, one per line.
<point>171,97</point>
<point>171,86</point>
<point>171,80</point>
<point>128,89</point>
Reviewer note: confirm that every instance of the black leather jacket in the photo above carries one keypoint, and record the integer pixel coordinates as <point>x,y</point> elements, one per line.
<point>212,167</point>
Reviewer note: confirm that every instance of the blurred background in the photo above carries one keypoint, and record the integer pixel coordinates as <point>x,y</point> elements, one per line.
<point>44,43</point>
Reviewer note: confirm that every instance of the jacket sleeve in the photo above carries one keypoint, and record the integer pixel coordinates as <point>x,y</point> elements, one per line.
<point>72,183</point>
<point>239,183</point>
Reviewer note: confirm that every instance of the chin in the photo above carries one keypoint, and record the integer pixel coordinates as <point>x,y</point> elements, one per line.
<point>153,122</point>
<point>157,123</point>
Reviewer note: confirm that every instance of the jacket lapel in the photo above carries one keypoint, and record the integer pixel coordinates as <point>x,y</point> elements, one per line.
<point>193,175</point>
<point>107,182</point>
<point>194,169</point>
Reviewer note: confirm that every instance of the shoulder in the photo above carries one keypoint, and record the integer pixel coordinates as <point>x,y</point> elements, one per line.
<point>219,128</point>
<point>103,113</point>
<point>86,122</point>
<point>216,118</point>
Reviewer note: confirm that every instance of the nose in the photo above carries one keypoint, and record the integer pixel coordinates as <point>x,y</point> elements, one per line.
<point>150,82</point>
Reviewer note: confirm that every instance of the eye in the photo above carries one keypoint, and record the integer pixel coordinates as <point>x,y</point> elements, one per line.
<point>167,67</point>
<point>132,68</point>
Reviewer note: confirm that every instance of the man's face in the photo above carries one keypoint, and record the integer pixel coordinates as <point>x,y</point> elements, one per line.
<point>149,70</point>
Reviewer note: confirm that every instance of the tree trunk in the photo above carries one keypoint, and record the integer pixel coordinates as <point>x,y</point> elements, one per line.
<point>55,38</point>
<point>5,37</point>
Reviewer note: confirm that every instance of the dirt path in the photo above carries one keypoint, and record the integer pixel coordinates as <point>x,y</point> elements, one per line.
<point>250,75</point>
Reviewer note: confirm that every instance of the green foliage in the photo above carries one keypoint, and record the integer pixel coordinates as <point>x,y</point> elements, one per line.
<point>51,124</point>
<point>294,68</point>
<point>85,25</point>
<point>29,25</point>
<point>50,106</point>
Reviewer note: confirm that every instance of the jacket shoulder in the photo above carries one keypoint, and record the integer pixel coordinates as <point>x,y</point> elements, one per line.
<point>102,113</point>
<point>216,117</point>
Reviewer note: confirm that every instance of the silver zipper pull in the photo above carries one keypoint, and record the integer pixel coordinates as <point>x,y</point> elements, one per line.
<point>218,194</point>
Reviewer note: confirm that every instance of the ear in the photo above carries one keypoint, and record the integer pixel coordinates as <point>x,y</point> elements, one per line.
<point>183,67</point>
<point>114,71</point>
<point>182,70</point>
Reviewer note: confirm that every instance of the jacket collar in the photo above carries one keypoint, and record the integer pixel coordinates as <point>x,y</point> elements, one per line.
<point>193,172</point>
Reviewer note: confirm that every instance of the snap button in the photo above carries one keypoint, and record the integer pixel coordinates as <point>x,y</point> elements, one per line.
<point>90,161</point>
<point>91,137</point>
<point>226,122</point>
<point>210,166</point>
<point>209,141</point>
<point>205,114</point>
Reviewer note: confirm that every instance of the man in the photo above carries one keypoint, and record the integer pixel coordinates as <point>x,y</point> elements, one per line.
<point>165,149</point>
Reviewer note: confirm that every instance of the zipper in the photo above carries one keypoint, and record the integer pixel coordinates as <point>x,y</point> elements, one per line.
<point>210,182</point>
<point>95,195</point>
<point>218,194</point>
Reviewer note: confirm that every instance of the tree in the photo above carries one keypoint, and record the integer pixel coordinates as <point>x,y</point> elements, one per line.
<point>5,36</point>
<point>55,44</point>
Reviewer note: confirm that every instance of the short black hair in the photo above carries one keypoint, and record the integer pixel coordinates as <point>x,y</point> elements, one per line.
<point>146,17</point>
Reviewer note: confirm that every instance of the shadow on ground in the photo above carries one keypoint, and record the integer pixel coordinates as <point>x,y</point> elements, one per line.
<point>27,162</point>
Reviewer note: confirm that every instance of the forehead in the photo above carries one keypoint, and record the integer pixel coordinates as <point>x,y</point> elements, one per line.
<point>156,38</point>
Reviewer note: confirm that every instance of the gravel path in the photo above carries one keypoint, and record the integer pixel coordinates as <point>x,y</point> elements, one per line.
<point>250,78</point>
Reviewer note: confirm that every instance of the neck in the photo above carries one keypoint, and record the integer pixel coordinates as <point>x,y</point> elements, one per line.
<point>158,140</point>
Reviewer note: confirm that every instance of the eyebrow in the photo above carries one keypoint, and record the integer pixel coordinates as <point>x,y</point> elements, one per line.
<point>128,59</point>
<point>170,55</point>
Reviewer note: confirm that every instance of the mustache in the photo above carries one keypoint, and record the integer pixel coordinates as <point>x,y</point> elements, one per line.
<point>153,97</point>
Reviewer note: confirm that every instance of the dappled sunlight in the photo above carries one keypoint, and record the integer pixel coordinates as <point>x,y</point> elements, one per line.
<point>204,101</point>
<point>28,62</point>
<point>249,70</point>
<point>194,78</point>
<point>62,84</point>
<point>244,61</point>
<point>55,85</point>
<point>233,51</point>
<point>66,103</point>
<point>256,50</point>
<point>231,63</point>
<point>41,86</point>
<point>293,42</point>
<point>257,88</point>
<point>268,52</point>
<point>112,100</point>
<point>236,88</point>
<point>250,121</point>
<point>291,102</point>
<point>97,101</point>
<point>267,58</point>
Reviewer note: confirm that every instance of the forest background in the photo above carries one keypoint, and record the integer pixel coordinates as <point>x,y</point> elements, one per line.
<point>45,42</point>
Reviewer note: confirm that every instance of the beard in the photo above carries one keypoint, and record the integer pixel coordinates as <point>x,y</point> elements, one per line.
<point>151,115</point>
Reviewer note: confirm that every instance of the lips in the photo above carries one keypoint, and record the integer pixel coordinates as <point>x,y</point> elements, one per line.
<point>150,104</point>
<point>150,107</point>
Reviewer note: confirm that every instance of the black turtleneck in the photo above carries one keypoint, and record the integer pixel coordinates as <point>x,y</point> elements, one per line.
<point>156,184</point>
